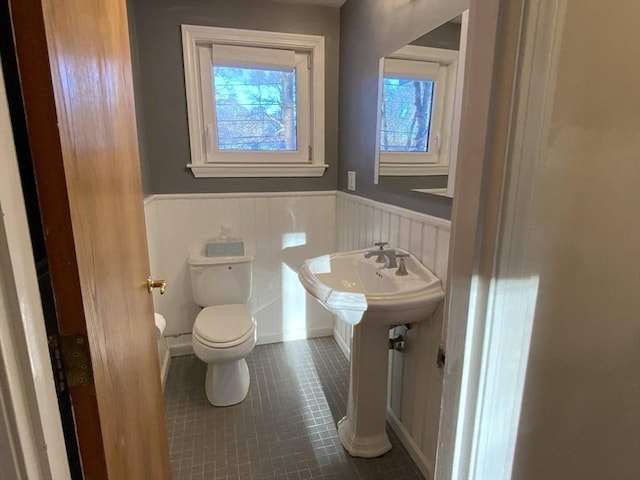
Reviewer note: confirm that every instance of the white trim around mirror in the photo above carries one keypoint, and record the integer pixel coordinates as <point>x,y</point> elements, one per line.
<point>457,107</point>
<point>451,126</point>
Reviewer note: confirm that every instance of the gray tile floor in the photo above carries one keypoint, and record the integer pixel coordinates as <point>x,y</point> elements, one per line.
<point>286,427</point>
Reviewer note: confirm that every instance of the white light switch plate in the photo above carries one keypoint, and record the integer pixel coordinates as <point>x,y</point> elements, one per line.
<point>351,180</point>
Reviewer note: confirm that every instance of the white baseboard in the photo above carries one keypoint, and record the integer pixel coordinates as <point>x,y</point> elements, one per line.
<point>300,334</point>
<point>181,345</point>
<point>164,367</point>
<point>405,437</point>
<point>344,348</point>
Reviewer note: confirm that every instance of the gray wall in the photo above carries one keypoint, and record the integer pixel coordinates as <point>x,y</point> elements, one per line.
<point>160,90</point>
<point>445,36</point>
<point>369,30</point>
<point>137,87</point>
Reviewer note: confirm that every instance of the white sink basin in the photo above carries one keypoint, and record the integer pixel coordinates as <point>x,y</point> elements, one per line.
<point>348,285</point>
<point>357,290</point>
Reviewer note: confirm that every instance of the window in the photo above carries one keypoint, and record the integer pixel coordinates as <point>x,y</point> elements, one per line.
<point>255,102</point>
<point>416,103</point>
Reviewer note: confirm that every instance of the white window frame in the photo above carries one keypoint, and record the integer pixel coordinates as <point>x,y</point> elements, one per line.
<point>206,160</point>
<point>436,160</point>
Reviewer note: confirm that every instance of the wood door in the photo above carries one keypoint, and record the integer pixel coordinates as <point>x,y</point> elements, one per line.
<point>75,72</point>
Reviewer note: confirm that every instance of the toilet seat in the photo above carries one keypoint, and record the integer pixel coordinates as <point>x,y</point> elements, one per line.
<point>224,326</point>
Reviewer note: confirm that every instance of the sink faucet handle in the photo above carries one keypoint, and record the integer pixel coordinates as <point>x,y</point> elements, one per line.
<point>381,258</point>
<point>402,268</point>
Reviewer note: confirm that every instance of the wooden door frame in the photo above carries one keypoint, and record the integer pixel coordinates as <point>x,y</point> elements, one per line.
<point>41,113</point>
<point>29,417</point>
<point>54,186</point>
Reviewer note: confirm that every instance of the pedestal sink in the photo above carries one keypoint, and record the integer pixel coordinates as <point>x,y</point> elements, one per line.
<point>373,299</point>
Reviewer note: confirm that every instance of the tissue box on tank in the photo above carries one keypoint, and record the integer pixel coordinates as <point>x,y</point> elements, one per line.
<point>225,249</point>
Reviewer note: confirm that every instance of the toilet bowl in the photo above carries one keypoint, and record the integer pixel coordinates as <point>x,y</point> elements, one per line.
<point>224,332</point>
<point>222,337</point>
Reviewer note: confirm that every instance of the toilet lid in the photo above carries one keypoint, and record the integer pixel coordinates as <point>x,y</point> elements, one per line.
<point>223,323</point>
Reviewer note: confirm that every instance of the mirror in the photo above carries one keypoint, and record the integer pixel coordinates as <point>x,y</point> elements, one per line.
<point>419,107</point>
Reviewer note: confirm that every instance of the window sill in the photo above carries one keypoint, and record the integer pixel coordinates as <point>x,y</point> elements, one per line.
<point>412,169</point>
<point>433,191</point>
<point>255,170</point>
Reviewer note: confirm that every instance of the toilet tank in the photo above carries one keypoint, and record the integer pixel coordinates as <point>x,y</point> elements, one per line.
<point>220,280</point>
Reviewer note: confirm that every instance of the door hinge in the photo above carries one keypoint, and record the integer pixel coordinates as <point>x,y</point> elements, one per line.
<point>309,62</point>
<point>71,361</point>
<point>310,153</point>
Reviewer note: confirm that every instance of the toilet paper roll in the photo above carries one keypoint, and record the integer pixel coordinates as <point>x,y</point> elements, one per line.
<point>161,324</point>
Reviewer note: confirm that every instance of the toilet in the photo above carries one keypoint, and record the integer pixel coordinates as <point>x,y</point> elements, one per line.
<point>224,331</point>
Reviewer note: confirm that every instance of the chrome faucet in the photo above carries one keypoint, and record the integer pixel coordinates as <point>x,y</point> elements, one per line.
<point>381,258</point>
<point>389,257</point>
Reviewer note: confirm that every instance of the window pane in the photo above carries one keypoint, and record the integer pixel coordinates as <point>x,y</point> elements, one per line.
<point>406,115</point>
<point>255,108</point>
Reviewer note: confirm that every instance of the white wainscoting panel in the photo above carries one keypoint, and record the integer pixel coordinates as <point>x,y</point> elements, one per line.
<point>415,381</point>
<point>279,229</point>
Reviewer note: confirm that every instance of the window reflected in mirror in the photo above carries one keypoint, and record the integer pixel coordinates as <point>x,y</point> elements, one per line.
<point>406,114</point>
<point>416,111</point>
<point>420,91</point>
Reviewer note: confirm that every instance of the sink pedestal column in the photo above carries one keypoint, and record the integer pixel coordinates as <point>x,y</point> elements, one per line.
<point>363,430</point>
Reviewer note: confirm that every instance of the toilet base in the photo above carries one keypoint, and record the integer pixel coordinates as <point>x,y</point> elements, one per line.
<point>227,383</point>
